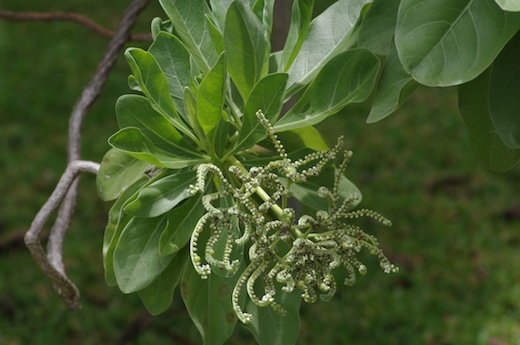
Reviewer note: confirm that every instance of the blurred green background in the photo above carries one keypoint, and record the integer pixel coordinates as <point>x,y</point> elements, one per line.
<point>455,233</point>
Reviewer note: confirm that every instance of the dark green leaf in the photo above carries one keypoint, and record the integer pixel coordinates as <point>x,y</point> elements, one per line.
<point>181,222</point>
<point>268,96</point>
<point>300,20</point>
<point>132,141</point>
<point>209,304</point>
<point>378,26</point>
<point>136,111</point>
<point>449,42</point>
<point>162,195</point>
<point>504,91</point>
<point>117,171</point>
<point>271,328</point>
<point>348,77</point>
<point>482,135</point>
<point>210,98</point>
<point>174,60</point>
<point>395,86</point>
<point>329,34</point>
<point>157,297</point>
<point>136,257</point>
<point>247,49</point>
<point>189,21</point>
<point>117,220</point>
<point>150,77</point>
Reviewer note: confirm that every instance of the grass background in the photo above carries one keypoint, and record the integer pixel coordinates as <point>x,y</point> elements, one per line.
<point>455,233</point>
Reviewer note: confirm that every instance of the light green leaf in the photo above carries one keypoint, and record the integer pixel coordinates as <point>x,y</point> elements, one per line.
<point>150,77</point>
<point>271,328</point>
<point>117,220</point>
<point>378,26</point>
<point>348,77</point>
<point>307,192</point>
<point>158,296</point>
<point>247,48</point>
<point>264,11</point>
<point>449,42</point>
<point>136,111</point>
<point>136,257</point>
<point>395,86</point>
<point>209,304</point>
<point>300,20</point>
<point>332,32</point>
<point>189,21</point>
<point>117,171</point>
<point>219,9</point>
<point>181,222</point>
<point>509,5</point>
<point>268,96</point>
<point>162,195</point>
<point>174,60</point>
<point>210,98</point>
<point>216,35</point>
<point>132,141</point>
<point>504,91</point>
<point>482,135</point>
<point>308,137</point>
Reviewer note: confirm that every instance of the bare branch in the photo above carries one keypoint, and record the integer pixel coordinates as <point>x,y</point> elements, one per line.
<point>52,263</point>
<point>69,17</point>
<point>66,289</point>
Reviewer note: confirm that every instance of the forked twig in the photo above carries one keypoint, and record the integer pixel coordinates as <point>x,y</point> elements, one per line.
<point>66,191</point>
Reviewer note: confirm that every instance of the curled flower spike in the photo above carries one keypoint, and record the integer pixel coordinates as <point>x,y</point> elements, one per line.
<point>248,213</point>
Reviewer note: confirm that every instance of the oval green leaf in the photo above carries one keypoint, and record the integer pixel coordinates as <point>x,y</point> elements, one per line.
<point>162,195</point>
<point>136,257</point>
<point>348,77</point>
<point>378,27</point>
<point>449,42</point>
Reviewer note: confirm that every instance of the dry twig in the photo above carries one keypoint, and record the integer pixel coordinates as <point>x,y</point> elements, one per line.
<point>66,191</point>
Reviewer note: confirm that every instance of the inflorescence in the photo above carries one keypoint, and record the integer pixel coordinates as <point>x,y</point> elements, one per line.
<point>282,250</point>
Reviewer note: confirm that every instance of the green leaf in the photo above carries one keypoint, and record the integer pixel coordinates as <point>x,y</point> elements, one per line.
<point>300,20</point>
<point>247,48</point>
<point>482,135</point>
<point>189,21</point>
<point>271,328</point>
<point>174,60</point>
<point>132,141</point>
<point>308,137</point>
<point>331,33</point>
<point>136,111</point>
<point>150,77</point>
<point>117,171</point>
<point>158,296</point>
<point>162,195</point>
<point>117,220</point>
<point>268,96</point>
<point>378,27</point>
<point>395,86</point>
<point>307,192</point>
<point>210,98</point>
<point>219,9</point>
<point>449,42</point>
<point>209,304</point>
<point>136,257</point>
<point>504,89</point>
<point>181,222</point>
<point>348,77</point>
<point>509,5</point>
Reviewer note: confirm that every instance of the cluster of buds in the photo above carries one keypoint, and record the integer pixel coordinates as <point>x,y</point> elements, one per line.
<point>283,249</point>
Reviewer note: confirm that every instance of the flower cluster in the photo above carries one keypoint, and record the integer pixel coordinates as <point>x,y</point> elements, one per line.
<point>283,249</point>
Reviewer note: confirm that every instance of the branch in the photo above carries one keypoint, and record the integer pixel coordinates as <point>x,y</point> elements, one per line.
<point>52,263</point>
<point>66,289</point>
<point>69,17</point>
